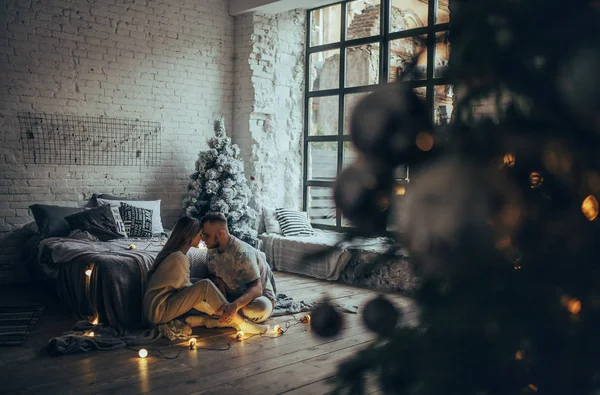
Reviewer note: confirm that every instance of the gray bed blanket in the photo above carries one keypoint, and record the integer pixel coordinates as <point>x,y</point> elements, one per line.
<point>114,291</point>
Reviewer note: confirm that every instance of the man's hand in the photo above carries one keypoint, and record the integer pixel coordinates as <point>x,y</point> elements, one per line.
<point>218,281</point>
<point>227,312</point>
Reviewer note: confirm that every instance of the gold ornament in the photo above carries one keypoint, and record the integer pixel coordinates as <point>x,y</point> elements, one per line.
<point>589,207</point>
<point>535,179</point>
<point>424,141</point>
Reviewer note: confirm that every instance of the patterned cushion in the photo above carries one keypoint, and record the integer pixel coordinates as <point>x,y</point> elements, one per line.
<point>294,223</point>
<point>137,220</point>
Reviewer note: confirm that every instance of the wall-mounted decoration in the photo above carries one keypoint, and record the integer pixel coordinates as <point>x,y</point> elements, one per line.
<point>83,140</point>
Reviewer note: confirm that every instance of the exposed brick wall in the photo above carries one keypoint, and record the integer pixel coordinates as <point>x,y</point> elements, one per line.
<point>269,104</point>
<point>169,61</point>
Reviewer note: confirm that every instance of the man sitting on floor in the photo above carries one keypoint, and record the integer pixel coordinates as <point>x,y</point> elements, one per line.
<point>241,273</point>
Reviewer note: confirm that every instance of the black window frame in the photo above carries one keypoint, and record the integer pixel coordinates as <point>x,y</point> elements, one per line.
<point>383,39</point>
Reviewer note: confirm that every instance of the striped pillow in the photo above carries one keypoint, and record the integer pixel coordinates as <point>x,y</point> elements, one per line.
<point>294,223</point>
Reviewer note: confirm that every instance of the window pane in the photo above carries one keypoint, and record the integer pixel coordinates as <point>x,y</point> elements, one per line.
<point>443,12</point>
<point>444,95</point>
<point>363,19</point>
<point>405,51</point>
<point>421,92</point>
<point>408,14</point>
<point>350,101</point>
<point>322,160</point>
<point>323,116</point>
<point>442,54</point>
<point>362,65</point>
<point>320,205</point>
<point>325,25</point>
<point>349,154</point>
<point>325,70</point>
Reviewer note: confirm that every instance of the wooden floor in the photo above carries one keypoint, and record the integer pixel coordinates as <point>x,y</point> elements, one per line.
<point>297,362</point>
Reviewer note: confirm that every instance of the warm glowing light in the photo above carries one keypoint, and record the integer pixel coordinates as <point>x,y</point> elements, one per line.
<point>532,387</point>
<point>509,160</point>
<point>399,190</point>
<point>535,179</point>
<point>589,207</point>
<point>239,336</point>
<point>143,353</point>
<point>88,272</point>
<point>277,329</point>
<point>517,267</point>
<point>305,319</point>
<point>574,306</point>
<point>193,343</point>
<point>424,141</point>
<point>519,355</point>
<point>91,334</point>
<point>132,246</point>
<point>95,321</point>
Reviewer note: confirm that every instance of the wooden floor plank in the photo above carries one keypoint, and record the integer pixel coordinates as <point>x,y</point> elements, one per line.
<point>297,362</point>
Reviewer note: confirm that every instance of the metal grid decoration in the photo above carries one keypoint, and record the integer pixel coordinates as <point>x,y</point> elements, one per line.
<point>83,140</point>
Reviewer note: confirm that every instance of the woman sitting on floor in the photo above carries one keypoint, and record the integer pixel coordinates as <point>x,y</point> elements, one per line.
<point>170,293</point>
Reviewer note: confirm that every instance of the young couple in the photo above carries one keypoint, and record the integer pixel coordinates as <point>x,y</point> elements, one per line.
<point>238,294</point>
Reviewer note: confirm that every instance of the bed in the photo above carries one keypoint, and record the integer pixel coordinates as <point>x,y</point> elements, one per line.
<point>351,262</point>
<point>95,271</point>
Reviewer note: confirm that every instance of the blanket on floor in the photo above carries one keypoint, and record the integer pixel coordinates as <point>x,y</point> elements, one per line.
<point>107,338</point>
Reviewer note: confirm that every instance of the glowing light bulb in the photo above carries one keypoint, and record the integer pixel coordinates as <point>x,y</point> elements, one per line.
<point>88,272</point>
<point>95,321</point>
<point>399,190</point>
<point>305,319</point>
<point>132,246</point>
<point>239,336</point>
<point>143,353</point>
<point>193,343</point>
<point>532,387</point>
<point>519,355</point>
<point>277,329</point>
<point>91,334</point>
<point>589,207</point>
<point>574,306</point>
<point>509,160</point>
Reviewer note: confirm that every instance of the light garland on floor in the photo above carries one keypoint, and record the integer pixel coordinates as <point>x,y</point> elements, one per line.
<point>239,336</point>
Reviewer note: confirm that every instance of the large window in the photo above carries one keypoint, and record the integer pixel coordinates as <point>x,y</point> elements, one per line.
<point>353,46</point>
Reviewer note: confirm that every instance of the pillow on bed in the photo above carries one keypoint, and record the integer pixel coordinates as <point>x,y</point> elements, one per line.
<point>294,223</point>
<point>50,220</point>
<point>98,222</point>
<point>153,205</point>
<point>138,221</point>
<point>270,220</point>
<point>93,202</point>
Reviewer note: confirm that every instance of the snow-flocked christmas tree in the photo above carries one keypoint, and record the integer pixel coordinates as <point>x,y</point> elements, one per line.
<point>219,185</point>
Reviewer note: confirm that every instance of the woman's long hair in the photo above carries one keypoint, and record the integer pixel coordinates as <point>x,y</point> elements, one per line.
<point>184,231</point>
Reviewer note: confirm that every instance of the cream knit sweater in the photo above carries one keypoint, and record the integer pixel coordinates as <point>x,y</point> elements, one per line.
<point>172,275</point>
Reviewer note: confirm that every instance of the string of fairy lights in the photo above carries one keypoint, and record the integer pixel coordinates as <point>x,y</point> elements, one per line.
<point>192,343</point>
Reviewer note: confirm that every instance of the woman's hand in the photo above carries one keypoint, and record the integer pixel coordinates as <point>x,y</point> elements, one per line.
<point>227,312</point>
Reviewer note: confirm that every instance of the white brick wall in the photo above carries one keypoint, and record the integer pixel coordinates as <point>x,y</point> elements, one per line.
<point>169,61</point>
<point>269,104</point>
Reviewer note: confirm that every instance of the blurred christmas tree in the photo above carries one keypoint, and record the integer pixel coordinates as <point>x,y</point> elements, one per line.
<point>501,213</point>
<point>219,185</point>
